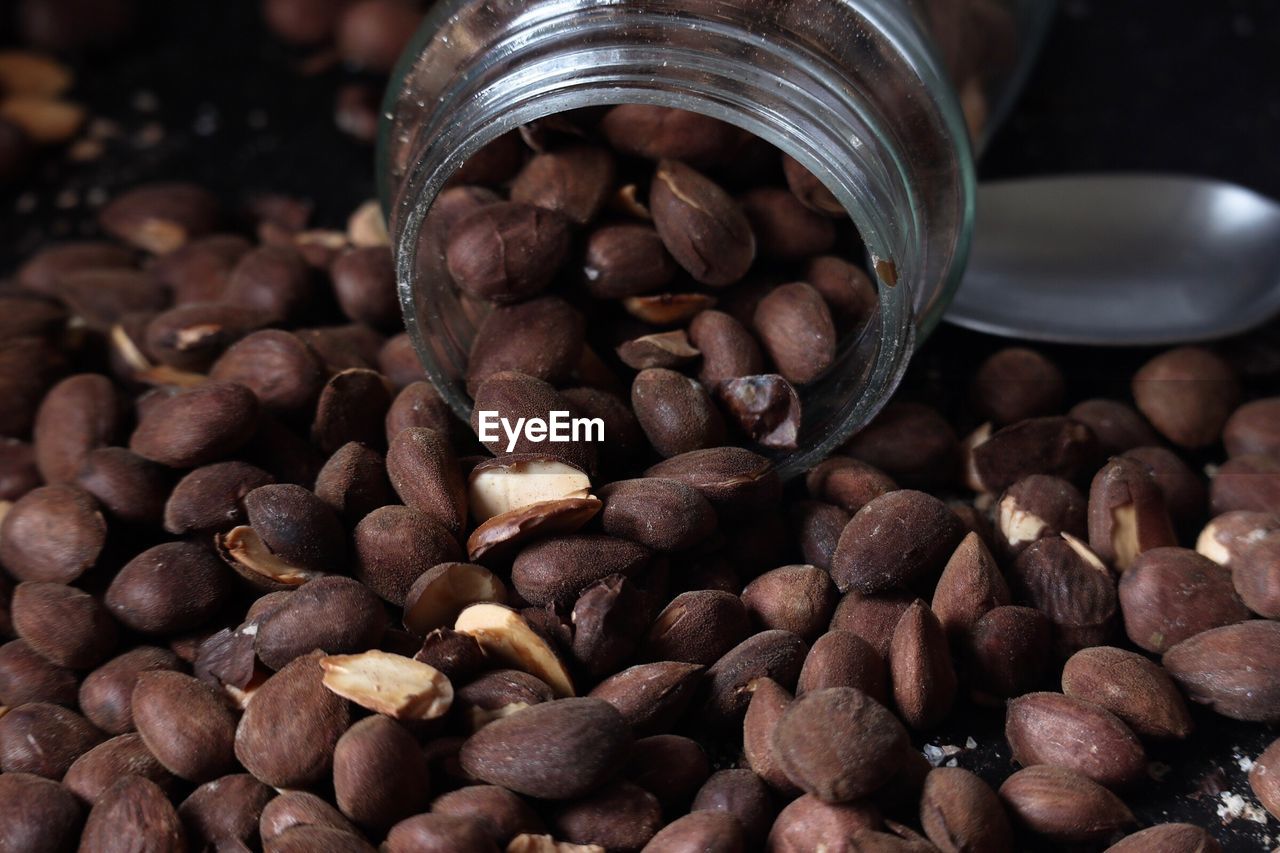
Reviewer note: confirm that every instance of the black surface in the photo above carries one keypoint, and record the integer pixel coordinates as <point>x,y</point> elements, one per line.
<point>202,93</point>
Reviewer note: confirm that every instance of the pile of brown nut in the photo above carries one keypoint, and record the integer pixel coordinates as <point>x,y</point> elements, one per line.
<point>264,592</point>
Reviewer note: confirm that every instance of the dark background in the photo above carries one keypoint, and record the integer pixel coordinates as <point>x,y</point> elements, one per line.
<point>203,93</point>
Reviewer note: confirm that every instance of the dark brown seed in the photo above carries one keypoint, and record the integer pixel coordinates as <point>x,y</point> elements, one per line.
<point>38,814</point>
<point>159,218</point>
<point>106,694</point>
<point>393,544</point>
<point>770,654</point>
<point>573,181</point>
<point>653,132</point>
<point>817,528</point>
<point>354,482</point>
<point>959,812</point>
<point>812,193</point>
<point>18,473</point>
<point>500,813</point>
<point>664,349</point>
<point>766,408</point>
<point>1170,594</point>
<point>53,533</point>
<point>352,407</point>
<point>848,483</point>
<point>1256,576</point>
<point>456,655</point>
<point>101,767</point>
<point>288,732</point>
<point>1264,778</point>
<point>1117,426</point>
<point>799,599</point>
<point>1063,805</point>
<point>300,808</point>
<point>847,289</point>
<point>557,570</point>
<point>1050,728</point>
<point>356,345</point>
<point>899,538</point>
<point>699,626</point>
<point>435,833</point>
<point>1036,507</point>
<point>970,585</point>
<point>1054,445</point>
<point>364,281</point>
<point>703,228</point>
<point>272,280</point>
<point>133,814</point>
<point>379,773</point>
<point>675,412</point>
<point>43,739</point>
<point>199,270</point>
<point>620,816</point>
<point>418,404</point>
<point>79,414</point>
<point>699,832</point>
<point>507,252</point>
<point>920,668</point>
<point>670,767</point>
<point>225,811</point>
<point>839,744</point>
<point>784,227</point>
<point>297,527</point>
<point>664,515</point>
<point>68,626</point>
<point>1249,482</point>
<point>26,676</point>
<point>626,260</point>
<point>1017,383</point>
<point>843,659</point>
<point>1232,669</point>
<point>130,488</point>
<point>41,272</point>
<point>1252,428</point>
<point>555,750</point>
<point>513,396</point>
<point>768,703</point>
<point>283,372</point>
<point>198,426</point>
<point>739,794</point>
<point>1127,513</point>
<point>426,475</point>
<point>651,696</point>
<point>211,498</point>
<point>796,329</point>
<point>542,338</point>
<point>1010,651</point>
<point>1168,838</point>
<point>728,349</point>
<point>1185,493</point>
<point>187,725</point>
<point>334,614</point>
<point>609,619</point>
<point>1225,539</point>
<point>910,442</point>
<point>736,481</point>
<point>191,336</point>
<point>871,617</point>
<point>1187,394</point>
<point>1069,584</point>
<point>306,838</point>
<point>27,367</point>
<point>1131,687</point>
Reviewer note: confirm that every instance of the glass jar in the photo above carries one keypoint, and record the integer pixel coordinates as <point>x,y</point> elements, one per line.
<point>877,98</point>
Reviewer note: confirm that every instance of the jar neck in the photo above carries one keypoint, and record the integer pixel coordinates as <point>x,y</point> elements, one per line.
<point>848,89</point>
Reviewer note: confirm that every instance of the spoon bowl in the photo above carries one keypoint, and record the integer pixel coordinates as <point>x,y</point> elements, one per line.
<point>1120,260</point>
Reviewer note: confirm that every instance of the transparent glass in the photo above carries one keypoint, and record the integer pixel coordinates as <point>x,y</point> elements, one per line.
<point>875,97</point>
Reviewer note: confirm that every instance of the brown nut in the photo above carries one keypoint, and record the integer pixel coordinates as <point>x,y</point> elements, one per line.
<point>1038,506</point>
<point>79,414</point>
<point>711,832</point>
<point>736,481</point>
<point>197,426</point>
<point>703,228</point>
<point>796,329</point>
<point>53,533</point>
<point>1009,652</point>
<point>620,816</point>
<point>1185,492</point>
<point>379,773</point>
<point>626,260</point>
<point>768,703</point>
<point>651,696</point>
<point>848,483</point>
<point>699,626</point>
<point>418,404</point>
<point>728,349</point>
<point>43,739</point>
<point>1117,426</point>
<point>274,281</point>
<point>654,132</point>
<point>1264,778</point>
<point>799,599</point>
<point>970,585</point>
<point>1127,513</point>
<point>1170,594</point>
<point>211,498</point>
<point>871,617</point>
<point>278,367</point>
<point>1187,394</point>
<point>1168,838</point>
<point>675,412</point>
<point>352,407</point>
<point>287,733</point>
<point>897,539</point>
<point>661,349</point>
<point>198,271</point>
<point>670,767</point>
<point>843,659</point>
<point>512,396</point>
<point>426,475</point>
<point>508,251</point>
<point>920,668</point>
<point>1252,428</point>
<point>393,543</point>
<point>172,587</point>
<point>101,767</point>
<point>225,811</point>
<point>817,528</point>
<point>26,676</point>
<point>1049,445</point>
<point>1067,582</point>
<point>959,811</point>
<point>129,488</point>
<point>442,592</point>
<point>299,808</point>
<point>574,181</point>
<point>557,570</point>
<point>1063,805</point>
<point>1016,383</point>
<point>1130,686</point>
<point>812,193</point>
<point>664,515</point>
<point>334,614</point>
<point>133,811</point>
<point>353,482</point>
<point>1249,482</point>
<point>159,218</point>
<point>741,795</point>
<point>911,443</point>
<point>1050,728</point>
<point>106,694</point>
<point>543,338</point>
<point>785,229</point>
<point>838,744</point>
<point>186,724</point>
<point>766,408</point>
<point>609,619</point>
<point>1228,536</point>
<point>772,654</point>
<point>66,625</point>
<point>555,750</point>
<point>1256,576</point>
<point>1232,669</point>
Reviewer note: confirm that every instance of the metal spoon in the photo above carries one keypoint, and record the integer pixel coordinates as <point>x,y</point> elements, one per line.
<point>1123,260</point>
